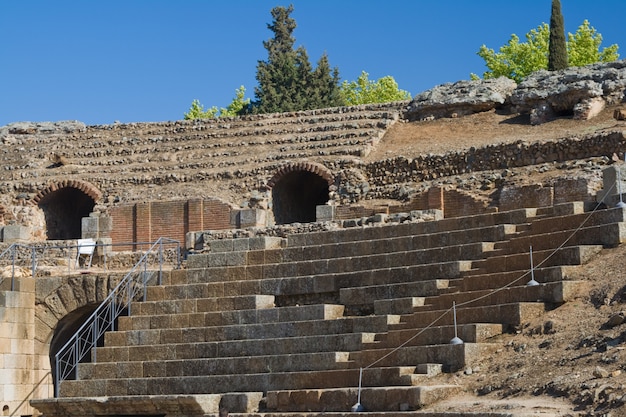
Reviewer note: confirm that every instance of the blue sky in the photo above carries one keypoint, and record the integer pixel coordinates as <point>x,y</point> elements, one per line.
<point>146,60</point>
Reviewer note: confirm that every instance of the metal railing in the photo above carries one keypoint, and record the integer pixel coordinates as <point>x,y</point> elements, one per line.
<point>103,318</point>
<point>12,251</point>
<point>24,256</point>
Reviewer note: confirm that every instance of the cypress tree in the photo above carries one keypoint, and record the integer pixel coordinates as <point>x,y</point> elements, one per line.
<point>557,50</point>
<point>287,81</point>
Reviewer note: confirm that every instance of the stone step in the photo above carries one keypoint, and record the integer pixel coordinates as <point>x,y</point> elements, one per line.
<point>215,384</point>
<point>454,225</point>
<point>398,242</point>
<point>369,295</point>
<point>578,218</point>
<point>387,400</point>
<point>509,315</point>
<point>276,315</point>
<point>569,255</point>
<point>201,305</point>
<point>217,333</point>
<point>258,280</point>
<point>610,234</point>
<point>316,361</point>
<point>551,292</point>
<point>379,254</point>
<point>229,348</point>
<point>136,405</point>
<point>404,305</point>
<point>475,281</point>
<point>438,335</point>
<point>452,357</point>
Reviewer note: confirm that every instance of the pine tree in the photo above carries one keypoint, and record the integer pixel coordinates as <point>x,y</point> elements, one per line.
<point>557,51</point>
<point>326,91</point>
<point>286,80</point>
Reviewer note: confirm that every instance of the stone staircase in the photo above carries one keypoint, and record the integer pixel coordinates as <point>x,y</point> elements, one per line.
<point>287,325</point>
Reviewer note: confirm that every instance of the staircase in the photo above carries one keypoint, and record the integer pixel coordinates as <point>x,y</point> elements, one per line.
<point>292,325</point>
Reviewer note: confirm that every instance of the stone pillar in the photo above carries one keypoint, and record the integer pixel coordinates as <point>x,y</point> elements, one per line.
<point>325,213</point>
<point>609,194</point>
<point>435,198</point>
<point>21,368</point>
<point>195,218</point>
<point>143,222</point>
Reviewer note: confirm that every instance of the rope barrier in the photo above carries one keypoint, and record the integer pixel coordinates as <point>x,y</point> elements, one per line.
<point>495,291</point>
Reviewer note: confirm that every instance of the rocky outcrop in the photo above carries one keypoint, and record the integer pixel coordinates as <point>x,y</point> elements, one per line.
<point>460,98</point>
<point>29,128</point>
<point>579,91</point>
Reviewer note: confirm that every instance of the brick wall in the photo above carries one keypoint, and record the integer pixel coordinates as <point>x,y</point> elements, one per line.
<point>146,222</point>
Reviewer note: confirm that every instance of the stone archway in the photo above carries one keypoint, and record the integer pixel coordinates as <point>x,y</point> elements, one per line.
<point>296,191</point>
<point>62,310</point>
<point>64,204</point>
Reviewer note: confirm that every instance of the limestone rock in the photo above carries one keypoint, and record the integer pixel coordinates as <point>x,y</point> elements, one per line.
<point>461,98</point>
<point>579,91</point>
<point>26,128</point>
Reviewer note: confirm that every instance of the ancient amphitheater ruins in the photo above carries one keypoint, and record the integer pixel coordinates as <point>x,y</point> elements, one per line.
<point>293,264</point>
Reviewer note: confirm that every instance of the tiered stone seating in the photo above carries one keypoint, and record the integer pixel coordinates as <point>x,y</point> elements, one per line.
<point>194,150</point>
<point>295,322</point>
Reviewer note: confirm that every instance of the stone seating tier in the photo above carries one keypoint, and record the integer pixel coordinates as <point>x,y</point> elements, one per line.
<point>250,320</point>
<point>202,148</point>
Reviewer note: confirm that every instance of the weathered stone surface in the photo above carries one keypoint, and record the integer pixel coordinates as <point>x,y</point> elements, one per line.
<point>581,91</point>
<point>461,98</point>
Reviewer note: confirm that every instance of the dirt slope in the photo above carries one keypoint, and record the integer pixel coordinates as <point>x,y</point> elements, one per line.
<point>576,367</point>
<point>443,135</point>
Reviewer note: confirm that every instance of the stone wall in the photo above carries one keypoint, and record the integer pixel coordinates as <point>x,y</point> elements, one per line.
<point>494,157</point>
<point>146,222</point>
<point>22,368</point>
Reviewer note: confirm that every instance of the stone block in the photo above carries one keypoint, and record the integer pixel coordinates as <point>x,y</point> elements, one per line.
<point>242,244</point>
<point>611,187</point>
<point>198,261</point>
<point>104,246</point>
<point>324,213</point>
<point>248,218</point>
<point>14,233</point>
<point>192,240</point>
<point>266,242</point>
<point>222,245</point>
<point>90,227</point>
<point>241,402</point>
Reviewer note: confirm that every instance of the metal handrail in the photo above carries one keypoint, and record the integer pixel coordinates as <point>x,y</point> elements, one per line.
<point>33,257</point>
<point>103,318</point>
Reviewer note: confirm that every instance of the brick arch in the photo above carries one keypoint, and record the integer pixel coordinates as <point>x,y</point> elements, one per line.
<point>312,167</point>
<point>297,190</point>
<point>89,189</point>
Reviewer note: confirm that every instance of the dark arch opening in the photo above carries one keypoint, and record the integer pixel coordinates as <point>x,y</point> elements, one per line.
<point>295,196</point>
<point>63,210</point>
<point>66,328</point>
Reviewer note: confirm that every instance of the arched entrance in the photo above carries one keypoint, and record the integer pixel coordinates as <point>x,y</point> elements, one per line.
<point>296,190</point>
<point>64,205</point>
<point>65,329</point>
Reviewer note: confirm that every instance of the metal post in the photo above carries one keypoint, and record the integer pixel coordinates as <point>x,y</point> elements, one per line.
<point>456,340</point>
<point>160,262</point>
<point>33,260</point>
<point>13,267</point>
<point>356,408</point>
<point>128,285</point>
<point>94,339</point>
<point>145,279</point>
<point>532,281</point>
